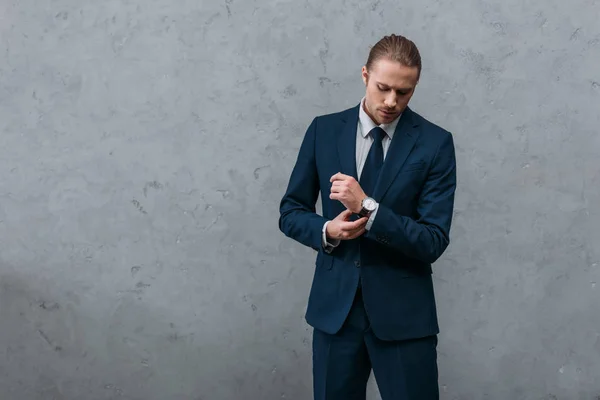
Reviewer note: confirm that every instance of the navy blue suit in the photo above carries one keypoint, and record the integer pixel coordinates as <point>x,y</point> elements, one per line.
<point>392,260</point>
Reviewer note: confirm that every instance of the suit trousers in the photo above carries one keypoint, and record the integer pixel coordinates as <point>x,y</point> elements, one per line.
<point>342,363</point>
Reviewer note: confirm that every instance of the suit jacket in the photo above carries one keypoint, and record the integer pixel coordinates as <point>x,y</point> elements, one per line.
<point>415,191</point>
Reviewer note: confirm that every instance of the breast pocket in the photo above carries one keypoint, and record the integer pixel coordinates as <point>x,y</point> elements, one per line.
<point>413,167</point>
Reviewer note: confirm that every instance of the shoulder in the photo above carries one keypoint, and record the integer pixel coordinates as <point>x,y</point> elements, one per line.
<point>326,126</point>
<point>336,117</point>
<point>430,129</point>
<point>432,135</point>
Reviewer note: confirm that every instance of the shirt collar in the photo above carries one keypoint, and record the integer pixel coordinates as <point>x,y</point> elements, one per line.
<point>367,123</point>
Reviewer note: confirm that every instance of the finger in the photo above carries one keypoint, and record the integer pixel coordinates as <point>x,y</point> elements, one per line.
<point>335,196</point>
<point>358,233</point>
<point>343,187</point>
<point>353,225</point>
<point>341,194</point>
<point>352,235</point>
<point>362,221</point>
<point>338,177</point>
<point>346,214</point>
<point>354,231</point>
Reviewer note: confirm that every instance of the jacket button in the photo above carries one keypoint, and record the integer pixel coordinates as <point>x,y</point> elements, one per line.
<point>357,264</point>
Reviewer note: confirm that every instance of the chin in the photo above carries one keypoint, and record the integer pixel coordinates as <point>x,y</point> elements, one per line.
<point>388,117</point>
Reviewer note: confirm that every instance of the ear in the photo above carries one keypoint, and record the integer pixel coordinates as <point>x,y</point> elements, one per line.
<point>365,75</point>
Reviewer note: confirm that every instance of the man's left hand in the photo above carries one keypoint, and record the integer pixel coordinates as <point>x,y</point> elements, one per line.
<point>348,191</point>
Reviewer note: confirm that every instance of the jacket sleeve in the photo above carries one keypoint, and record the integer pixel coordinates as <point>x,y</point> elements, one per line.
<point>426,237</point>
<point>298,218</point>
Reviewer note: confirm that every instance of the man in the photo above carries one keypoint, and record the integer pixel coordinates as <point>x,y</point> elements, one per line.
<point>387,179</point>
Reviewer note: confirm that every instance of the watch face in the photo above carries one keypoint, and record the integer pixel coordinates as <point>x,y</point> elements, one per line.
<point>369,204</point>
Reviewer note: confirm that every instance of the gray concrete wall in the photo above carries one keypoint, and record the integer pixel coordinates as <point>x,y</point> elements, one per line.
<point>145,145</point>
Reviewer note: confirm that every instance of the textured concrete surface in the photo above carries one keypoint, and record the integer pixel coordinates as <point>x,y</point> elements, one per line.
<point>145,145</point>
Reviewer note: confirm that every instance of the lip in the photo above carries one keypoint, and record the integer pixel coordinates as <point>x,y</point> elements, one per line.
<point>387,114</point>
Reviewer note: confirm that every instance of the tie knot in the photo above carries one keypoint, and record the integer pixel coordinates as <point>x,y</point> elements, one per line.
<point>377,134</point>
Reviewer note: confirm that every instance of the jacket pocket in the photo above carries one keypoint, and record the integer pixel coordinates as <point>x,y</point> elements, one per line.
<point>412,167</point>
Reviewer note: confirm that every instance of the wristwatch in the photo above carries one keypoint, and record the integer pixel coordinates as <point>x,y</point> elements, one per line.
<point>368,206</point>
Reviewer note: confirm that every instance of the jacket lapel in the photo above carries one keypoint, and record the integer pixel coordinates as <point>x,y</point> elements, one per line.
<point>405,137</point>
<point>346,143</point>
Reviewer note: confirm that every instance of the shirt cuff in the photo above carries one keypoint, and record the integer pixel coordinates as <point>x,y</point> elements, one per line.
<point>372,218</point>
<point>329,245</point>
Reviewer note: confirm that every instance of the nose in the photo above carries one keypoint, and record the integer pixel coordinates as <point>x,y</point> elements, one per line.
<point>390,100</point>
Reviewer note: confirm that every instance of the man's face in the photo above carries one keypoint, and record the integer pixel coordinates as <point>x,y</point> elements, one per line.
<point>390,85</point>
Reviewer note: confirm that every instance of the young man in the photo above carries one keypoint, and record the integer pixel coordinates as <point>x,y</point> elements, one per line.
<point>387,179</point>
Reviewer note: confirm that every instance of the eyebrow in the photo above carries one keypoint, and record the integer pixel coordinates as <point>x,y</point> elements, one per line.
<point>398,89</point>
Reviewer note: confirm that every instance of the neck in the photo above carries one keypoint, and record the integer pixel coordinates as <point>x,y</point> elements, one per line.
<point>366,110</point>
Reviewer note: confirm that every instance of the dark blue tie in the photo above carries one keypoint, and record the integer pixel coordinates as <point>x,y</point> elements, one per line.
<point>374,161</point>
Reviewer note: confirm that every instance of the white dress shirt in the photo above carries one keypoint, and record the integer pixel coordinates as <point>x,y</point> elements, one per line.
<point>363,145</point>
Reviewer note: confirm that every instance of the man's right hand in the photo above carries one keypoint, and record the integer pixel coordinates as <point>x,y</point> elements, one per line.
<point>341,228</point>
